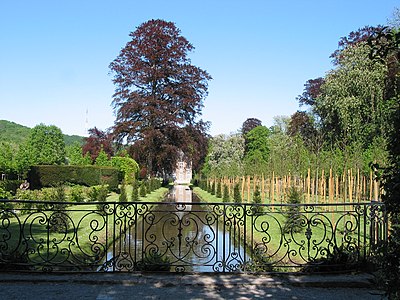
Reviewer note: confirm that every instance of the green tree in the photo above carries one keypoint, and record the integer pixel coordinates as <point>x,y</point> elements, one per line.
<point>46,145</point>
<point>257,150</point>
<point>75,155</point>
<point>102,159</point>
<point>351,105</point>
<point>7,158</point>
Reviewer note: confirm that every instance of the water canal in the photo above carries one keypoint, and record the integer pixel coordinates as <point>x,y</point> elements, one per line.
<point>187,236</point>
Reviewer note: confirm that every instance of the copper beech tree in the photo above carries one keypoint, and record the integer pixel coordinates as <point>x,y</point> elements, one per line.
<point>159,97</point>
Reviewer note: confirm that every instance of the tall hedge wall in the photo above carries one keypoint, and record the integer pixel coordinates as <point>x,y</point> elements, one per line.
<point>50,175</point>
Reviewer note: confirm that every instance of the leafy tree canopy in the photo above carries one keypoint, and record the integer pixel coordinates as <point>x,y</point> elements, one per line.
<point>258,143</point>
<point>225,156</point>
<point>250,124</point>
<point>46,145</point>
<point>159,94</point>
<point>98,140</point>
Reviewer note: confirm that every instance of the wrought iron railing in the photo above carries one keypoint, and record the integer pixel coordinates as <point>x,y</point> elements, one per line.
<point>209,237</point>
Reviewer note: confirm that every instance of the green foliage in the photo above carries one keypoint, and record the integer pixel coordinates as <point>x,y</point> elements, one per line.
<point>225,197</point>
<point>76,194</point>
<point>93,194</point>
<point>4,195</point>
<point>122,196</point>
<point>225,156</point>
<point>218,191</point>
<point>17,134</point>
<point>142,189</point>
<point>390,264</point>
<point>11,132</point>
<point>257,141</point>
<point>257,200</point>
<point>46,145</point>
<point>10,185</point>
<point>237,197</point>
<point>135,191</point>
<point>99,194</point>
<point>44,176</point>
<point>212,191</point>
<point>7,158</point>
<point>75,156</point>
<point>128,166</point>
<point>102,159</point>
<point>60,220</point>
<point>351,105</point>
<point>293,215</point>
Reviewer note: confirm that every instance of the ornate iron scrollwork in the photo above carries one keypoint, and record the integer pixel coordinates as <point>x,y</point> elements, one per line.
<point>179,237</point>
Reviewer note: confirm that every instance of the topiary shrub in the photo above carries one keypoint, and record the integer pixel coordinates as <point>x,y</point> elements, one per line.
<point>142,190</point>
<point>293,215</point>
<point>237,197</point>
<point>59,221</point>
<point>122,196</point>
<point>225,197</point>
<point>218,192</point>
<point>135,192</point>
<point>257,200</point>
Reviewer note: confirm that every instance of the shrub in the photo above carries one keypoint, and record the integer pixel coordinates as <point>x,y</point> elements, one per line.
<point>135,192</point>
<point>45,176</point>
<point>122,196</point>
<point>142,190</point>
<point>5,207</point>
<point>257,200</point>
<point>76,194</point>
<point>212,192</point>
<point>293,215</point>
<point>5,194</point>
<point>101,196</point>
<point>218,192</point>
<point>237,197</point>
<point>225,197</point>
<point>93,194</point>
<point>10,185</point>
<point>59,221</point>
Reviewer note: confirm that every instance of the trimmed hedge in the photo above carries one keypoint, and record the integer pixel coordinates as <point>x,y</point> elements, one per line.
<point>51,175</point>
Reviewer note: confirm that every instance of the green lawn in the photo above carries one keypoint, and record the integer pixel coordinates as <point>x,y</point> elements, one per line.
<point>326,229</point>
<point>84,241</point>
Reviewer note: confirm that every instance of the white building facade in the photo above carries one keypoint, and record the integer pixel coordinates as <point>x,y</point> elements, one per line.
<point>183,171</point>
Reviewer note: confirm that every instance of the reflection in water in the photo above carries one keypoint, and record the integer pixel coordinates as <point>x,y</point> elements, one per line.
<point>191,236</point>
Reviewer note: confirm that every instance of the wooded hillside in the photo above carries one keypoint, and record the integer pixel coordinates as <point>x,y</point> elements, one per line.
<point>17,134</point>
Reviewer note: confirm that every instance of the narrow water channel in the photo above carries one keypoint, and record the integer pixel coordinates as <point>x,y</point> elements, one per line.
<point>191,237</point>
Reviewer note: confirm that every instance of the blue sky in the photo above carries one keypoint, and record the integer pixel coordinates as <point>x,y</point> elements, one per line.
<point>54,55</point>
